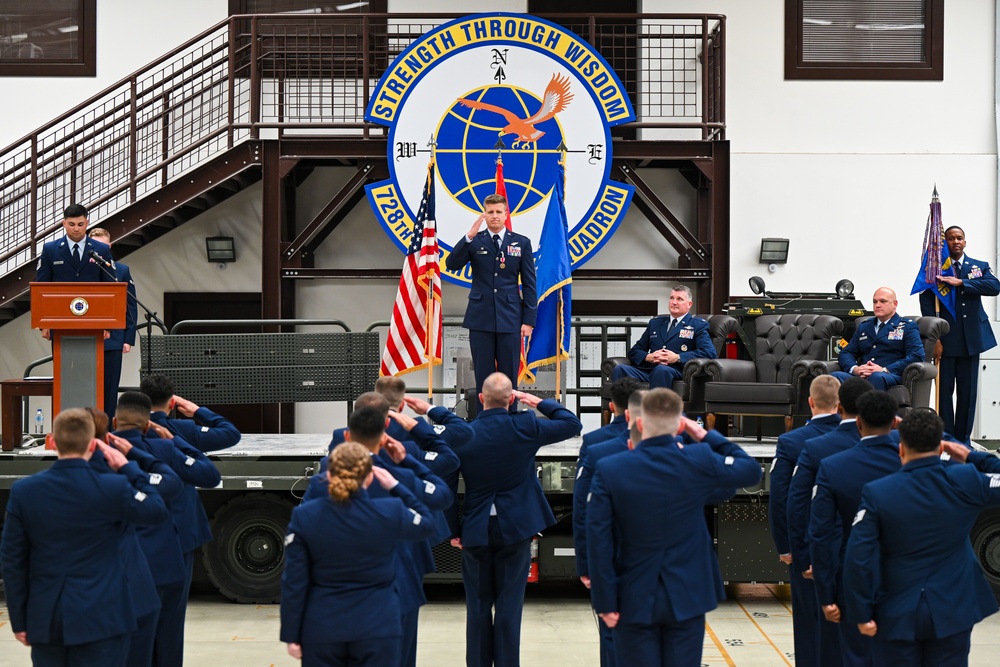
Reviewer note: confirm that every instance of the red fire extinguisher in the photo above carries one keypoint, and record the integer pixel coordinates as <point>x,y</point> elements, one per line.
<point>533,568</point>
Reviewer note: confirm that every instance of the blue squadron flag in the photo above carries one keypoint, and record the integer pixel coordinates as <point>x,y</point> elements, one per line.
<point>936,260</point>
<point>550,338</point>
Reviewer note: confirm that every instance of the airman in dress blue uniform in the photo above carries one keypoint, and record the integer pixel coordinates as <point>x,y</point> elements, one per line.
<point>204,429</point>
<point>62,550</point>
<point>503,508</point>
<point>415,560</point>
<point>653,569</point>
<point>68,260</point>
<point>621,390</point>
<point>581,492</point>
<point>823,402</point>
<point>668,342</point>
<point>883,346</point>
<point>339,601</point>
<point>835,501</point>
<point>170,553</point>
<point>970,334</point>
<point>825,646</point>
<point>499,315</point>
<point>911,578</point>
<point>119,341</point>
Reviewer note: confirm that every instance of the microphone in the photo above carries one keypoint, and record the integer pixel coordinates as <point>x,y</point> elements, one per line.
<point>96,257</point>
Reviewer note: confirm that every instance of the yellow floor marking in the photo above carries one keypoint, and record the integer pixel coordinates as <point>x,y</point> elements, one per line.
<point>775,594</point>
<point>764,634</point>
<point>718,645</point>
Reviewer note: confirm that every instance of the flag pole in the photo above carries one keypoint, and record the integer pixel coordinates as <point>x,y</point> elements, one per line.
<point>428,306</point>
<point>559,323</point>
<point>937,362</point>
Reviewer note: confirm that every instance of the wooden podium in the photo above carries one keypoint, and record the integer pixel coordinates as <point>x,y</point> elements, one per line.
<point>77,315</point>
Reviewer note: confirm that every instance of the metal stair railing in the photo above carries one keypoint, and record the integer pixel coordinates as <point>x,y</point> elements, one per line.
<point>299,73</point>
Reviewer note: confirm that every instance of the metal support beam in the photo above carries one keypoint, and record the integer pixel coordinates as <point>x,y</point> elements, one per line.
<point>701,254</point>
<point>316,228</point>
<point>680,275</point>
<point>273,221</point>
<point>720,225</point>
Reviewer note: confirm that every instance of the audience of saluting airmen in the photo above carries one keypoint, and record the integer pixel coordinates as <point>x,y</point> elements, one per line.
<point>871,513</point>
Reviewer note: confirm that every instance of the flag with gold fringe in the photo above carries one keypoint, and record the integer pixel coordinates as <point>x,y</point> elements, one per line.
<point>414,340</point>
<point>550,339</point>
<point>936,260</point>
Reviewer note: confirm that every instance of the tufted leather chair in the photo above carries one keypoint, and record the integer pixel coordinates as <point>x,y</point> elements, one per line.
<point>777,382</point>
<point>691,386</point>
<point>915,389</point>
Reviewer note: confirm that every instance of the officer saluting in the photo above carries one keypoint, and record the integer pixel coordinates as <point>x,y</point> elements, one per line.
<point>498,314</point>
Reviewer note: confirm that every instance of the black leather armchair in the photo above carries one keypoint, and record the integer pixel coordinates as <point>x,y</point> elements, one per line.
<point>915,389</point>
<point>776,382</point>
<point>691,386</point>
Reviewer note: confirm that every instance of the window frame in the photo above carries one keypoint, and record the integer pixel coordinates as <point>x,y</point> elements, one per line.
<point>931,69</point>
<point>84,65</point>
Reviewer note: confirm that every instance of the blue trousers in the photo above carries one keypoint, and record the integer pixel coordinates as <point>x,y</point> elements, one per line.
<point>881,381</point>
<point>667,644</point>
<point>960,376</point>
<point>168,649</point>
<point>925,650</point>
<point>494,352</point>
<point>381,652</point>
<point>660,376</point>
<point>141,642</point>
<point>408,645</point>
<point>112,377</point>
<point>108,652</point>
<point>805,620</point>
<point>494,578</point>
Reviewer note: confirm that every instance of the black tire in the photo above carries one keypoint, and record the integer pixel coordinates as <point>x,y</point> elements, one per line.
<point>246,556</point>
<point>986,544</point>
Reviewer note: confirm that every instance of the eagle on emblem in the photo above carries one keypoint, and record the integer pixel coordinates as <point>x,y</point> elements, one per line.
<point>556,98</point>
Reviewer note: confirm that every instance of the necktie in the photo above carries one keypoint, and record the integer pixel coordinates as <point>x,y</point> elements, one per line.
<point>878,325</point>
<point>496,243</point>
<point>673,323</point>
<point>76,252</point>
<point>958,269</point>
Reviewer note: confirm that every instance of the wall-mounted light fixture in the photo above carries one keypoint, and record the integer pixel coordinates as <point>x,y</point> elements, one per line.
<point>220,249</point>
<point>774,251</point>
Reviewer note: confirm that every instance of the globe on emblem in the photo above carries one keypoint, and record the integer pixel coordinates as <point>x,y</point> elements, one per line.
<point>466,157</point>
<point>79,306</point>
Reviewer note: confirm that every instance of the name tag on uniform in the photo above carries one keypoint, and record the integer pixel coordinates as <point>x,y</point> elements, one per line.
<point>686,333</point>
<point>896,334</point>
<point>57,262</point>
<point>863,337</point>
<point>480,252</point>
<point>513,251</point>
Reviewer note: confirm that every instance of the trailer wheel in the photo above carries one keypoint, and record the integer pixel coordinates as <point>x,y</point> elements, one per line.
<point>245,557</point>
<point>986,544</point>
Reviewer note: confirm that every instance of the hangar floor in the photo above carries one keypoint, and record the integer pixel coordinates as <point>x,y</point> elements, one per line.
<point>753,628</point>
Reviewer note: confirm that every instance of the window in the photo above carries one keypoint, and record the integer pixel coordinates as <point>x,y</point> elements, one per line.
<point>864,39</point>
<point>48,38</point>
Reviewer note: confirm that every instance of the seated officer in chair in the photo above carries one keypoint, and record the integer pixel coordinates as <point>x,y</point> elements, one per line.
<point>669,342</point>
<point>883,346</point>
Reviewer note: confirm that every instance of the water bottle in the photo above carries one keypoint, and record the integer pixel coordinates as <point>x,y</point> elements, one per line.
<point>39,421</point>
<point>700,422</point>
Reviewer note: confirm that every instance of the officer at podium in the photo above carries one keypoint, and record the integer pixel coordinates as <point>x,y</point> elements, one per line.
<point>71,258</point>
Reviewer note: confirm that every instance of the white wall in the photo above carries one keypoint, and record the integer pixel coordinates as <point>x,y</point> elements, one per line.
<point>844,169</point>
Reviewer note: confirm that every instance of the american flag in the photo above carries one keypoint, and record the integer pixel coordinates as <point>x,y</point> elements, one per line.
<point>414,340</point>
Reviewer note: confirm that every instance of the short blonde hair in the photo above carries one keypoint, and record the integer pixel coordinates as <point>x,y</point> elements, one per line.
<point>73,430</point>
<point>100,232</point>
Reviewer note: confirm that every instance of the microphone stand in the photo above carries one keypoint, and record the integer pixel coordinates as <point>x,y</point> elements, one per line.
<point>104,265</point>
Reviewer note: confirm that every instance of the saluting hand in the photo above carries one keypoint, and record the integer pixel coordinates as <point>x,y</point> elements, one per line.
<point>160,431</point>
<point>384,478</point>
<point>476,225</point>
<point>114,458</point>
<point>530,400</point>
<point>119,443</point>
<point>397,452</point>
<point>420,406</point>
<point>404,420</point>
<point>184,406</point>
<point>697,432</point>
<point>957,451</point>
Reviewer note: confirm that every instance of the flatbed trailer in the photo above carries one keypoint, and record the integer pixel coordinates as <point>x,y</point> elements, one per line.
<point>265,476</point>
